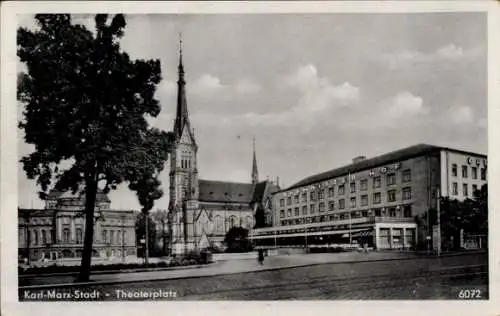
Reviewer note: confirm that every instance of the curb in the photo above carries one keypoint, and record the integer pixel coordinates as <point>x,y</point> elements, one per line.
<point>69,285</point>
<point>41,275</point>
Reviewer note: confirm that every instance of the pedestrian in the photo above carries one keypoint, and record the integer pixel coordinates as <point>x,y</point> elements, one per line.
<point>260,256</point>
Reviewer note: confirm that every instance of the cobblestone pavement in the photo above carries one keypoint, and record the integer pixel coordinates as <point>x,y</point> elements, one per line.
<point>223,267</point>
<point>431,278</point>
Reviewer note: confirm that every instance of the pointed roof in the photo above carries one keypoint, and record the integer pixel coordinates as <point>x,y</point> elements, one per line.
<point>255,171</point>
<point>182,115</point>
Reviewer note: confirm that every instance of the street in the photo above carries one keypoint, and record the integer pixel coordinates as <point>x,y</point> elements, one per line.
<point>429,278</point>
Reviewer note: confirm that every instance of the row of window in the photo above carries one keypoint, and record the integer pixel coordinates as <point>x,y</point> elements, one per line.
<point>465,189</point>
<point>377,199</point>
<point>405,212</point>
<point>363,186</point>
<point>465,172</point>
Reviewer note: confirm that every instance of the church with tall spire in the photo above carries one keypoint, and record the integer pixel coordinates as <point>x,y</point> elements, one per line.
<point>201,212</point>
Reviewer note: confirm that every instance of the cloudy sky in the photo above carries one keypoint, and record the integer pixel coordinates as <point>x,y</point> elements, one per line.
<point>314,90</point>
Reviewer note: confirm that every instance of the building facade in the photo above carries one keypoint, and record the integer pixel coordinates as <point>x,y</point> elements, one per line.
<point>382,201</point>
<point>57,231</point>
<point>201,212</point>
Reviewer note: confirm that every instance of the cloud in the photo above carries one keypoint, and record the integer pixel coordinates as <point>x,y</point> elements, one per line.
<point>318,93</point>
<point>450,52</point>
<point>245,86</point>
<point>462,114</point>
<point>206,84</point>
<point>405,104</point>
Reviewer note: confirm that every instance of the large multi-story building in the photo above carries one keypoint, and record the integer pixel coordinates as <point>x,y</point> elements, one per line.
<point>201,212</point>
<point>383,201</point>
<point>57,231</point>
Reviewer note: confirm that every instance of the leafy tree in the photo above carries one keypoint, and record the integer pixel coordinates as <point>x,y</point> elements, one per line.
<point>161,217</point>
<point>140,233</point>
<point>260,218</point>
<point>237,240</point>
<point>86,104</point>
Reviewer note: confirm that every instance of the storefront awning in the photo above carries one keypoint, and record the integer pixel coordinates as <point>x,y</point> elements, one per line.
<point>303,234</point>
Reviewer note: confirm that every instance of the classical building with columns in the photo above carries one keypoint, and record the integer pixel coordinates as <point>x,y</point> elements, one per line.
<point>201,212</point>
<point>382,201</point>
<point>56,232</point>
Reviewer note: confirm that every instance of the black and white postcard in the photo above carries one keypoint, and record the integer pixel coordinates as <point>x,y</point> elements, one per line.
<point>334,155</point>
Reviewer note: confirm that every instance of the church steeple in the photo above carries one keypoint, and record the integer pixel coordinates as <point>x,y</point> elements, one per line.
<point>182,116</point>
<point>255,172</point>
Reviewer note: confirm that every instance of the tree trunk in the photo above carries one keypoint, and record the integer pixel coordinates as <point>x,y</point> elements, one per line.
<point>146,240</point>
<point>90,199</point>
<point>164,239</point>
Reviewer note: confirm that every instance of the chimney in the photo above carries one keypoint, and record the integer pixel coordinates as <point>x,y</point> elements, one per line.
<point>358,159</point>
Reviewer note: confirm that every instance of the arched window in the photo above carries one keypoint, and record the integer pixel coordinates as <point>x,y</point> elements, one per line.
<point>44,237</point>
<point>66,235</point>
<point>232,221</point>
<point>79,236</point>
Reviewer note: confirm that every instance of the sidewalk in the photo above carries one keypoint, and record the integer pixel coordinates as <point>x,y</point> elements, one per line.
<point>220,268</point>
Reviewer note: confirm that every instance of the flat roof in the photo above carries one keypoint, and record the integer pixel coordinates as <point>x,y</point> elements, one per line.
<point>393,156</point>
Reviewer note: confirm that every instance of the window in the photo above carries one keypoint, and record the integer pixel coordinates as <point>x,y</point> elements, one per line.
<point>407,176</point>
<point>289,200</point>
<point>282,213</point>
<point>376,198</point>
<point>111,236</point>
<point>391,179</point>
<point>342,216</point>
<point>104,236</point>
<point>304,210</point>
<point>44,237</point>
<point>321,207</point>
<point>474,173</point>
<point>391,196</point>
<point>313,196</point>
<point>289,212</point>
<point>363,184</point>
<point>376,182</point>
<point>341,204</point>
<point>35,237</point>
<point>219,222</point>
<point>407,211</point>
<point>66,235</point>
<point>364,200</point>
<point>455,188</point>
<point>392,212</point>
<point>465,189</point>
<point>283,223</point>
<point>474,188</point>
<point>331,205</point>
<point>297,211</point>
<point>464,172</point>
<point>304,197</point>
<point>454,169</point>
<point>353,202</point>
<point>321,194</point>
<point>79,236</point>
<point>483,173</point>
<point>353,187</point>
<point>330,191</point>
<point>311,209</point>
<point>296,199</point>
<point>282,202</point>
<point>377,212</point>
<point>407,193</point>
<point>341,189</point>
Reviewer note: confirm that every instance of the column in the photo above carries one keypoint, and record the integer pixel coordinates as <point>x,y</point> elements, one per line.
<point>59,228</point>
<point>390,238</point>
<point>404,238</point>
<point>72,229</point>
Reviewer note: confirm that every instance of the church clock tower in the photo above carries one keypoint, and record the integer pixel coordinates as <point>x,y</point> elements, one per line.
<point>183,174</point>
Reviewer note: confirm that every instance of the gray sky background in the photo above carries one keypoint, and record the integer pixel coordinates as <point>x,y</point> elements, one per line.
<point>315,90</point>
